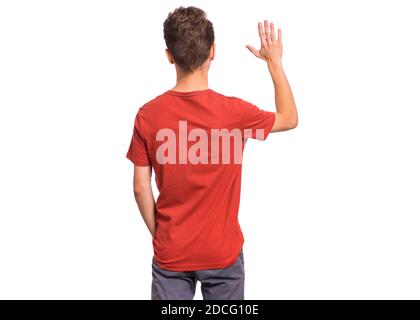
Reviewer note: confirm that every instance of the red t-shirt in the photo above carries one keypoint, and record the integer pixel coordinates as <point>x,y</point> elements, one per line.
<point>191,140</point>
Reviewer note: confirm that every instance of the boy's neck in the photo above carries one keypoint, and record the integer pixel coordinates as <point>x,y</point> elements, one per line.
<point>198,80</point>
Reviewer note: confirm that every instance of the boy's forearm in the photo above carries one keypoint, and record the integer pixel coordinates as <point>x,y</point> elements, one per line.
<point>285,103</point>
<point>147,206</point>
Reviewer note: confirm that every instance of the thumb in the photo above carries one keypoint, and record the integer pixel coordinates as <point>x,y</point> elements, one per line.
<point>253,50</point>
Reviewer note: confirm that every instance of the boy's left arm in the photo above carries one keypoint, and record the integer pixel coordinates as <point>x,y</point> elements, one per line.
<point>144,196</point>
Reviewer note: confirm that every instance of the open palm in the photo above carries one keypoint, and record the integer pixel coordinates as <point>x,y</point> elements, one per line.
<point>271,45</point>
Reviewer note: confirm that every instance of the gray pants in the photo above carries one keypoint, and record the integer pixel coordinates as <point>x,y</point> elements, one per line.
<point>216,284</point>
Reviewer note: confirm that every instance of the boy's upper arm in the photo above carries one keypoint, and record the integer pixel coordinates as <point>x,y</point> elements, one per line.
<point>142,177</point>
<point>259,121</point>
<point>137,151</point>
<point>283,123</point>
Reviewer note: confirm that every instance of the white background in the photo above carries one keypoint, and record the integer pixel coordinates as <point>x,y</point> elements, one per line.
<point>329,210</point>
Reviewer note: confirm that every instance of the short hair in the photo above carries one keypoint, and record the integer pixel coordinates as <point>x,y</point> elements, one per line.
<point>189,36</point>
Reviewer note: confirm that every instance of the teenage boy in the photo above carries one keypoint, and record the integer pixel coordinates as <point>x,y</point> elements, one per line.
<point>193,138</point>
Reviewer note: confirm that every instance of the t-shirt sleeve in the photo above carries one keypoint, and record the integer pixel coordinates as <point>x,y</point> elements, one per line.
<point>256,122</point>
<point>137,151</point>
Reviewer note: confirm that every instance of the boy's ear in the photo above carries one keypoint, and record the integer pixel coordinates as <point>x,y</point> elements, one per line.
<point>169,56</point>
<point>212,51</point>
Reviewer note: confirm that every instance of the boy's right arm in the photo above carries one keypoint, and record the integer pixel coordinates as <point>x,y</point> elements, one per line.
<point>271,51</point>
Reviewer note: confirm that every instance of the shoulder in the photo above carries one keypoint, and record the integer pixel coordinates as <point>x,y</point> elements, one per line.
<point>151,106</point>
<point>226,97</point>
<point>231,100</point>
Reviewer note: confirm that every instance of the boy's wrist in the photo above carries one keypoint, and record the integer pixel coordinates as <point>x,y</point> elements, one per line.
<point>274,64</point>
<point>275,68</point>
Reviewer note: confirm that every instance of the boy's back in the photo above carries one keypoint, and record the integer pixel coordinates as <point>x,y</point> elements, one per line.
<point>194,142</point>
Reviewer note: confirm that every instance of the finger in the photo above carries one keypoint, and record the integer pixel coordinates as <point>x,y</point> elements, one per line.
<point>267,32</point>
<point>272,32</point>
<point>262,34</point>
<point>279,35</point>
<point>253,50</point>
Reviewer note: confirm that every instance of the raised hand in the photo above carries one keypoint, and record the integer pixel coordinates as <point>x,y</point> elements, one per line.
<point>271,43</point>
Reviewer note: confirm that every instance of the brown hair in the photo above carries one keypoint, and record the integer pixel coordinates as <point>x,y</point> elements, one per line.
<point>189,36</point>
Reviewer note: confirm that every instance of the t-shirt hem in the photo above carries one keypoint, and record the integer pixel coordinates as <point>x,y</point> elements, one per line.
<point>198,267</point>
<point>271,124</point>
<point>138,163</point>
<point>187,268</point>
